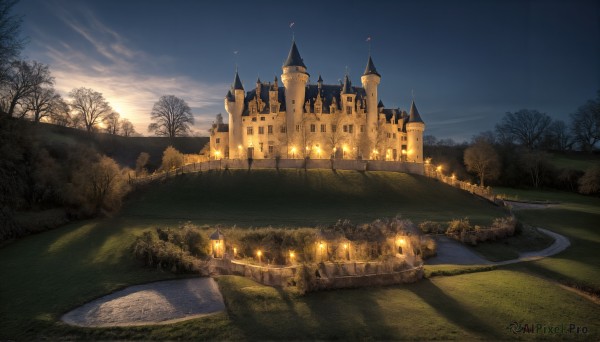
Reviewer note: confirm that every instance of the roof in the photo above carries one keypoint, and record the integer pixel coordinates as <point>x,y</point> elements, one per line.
<point>294,58</point>
<point>347,88</point>
<point>370,69</point>
<point>222,127</point>
<point>320,80</point>
<point>229,96</point>
<point>329,94</point>
<point>237,84</point>
<point>414,114</point>
<point>380,104</point>
<point>217,235</point>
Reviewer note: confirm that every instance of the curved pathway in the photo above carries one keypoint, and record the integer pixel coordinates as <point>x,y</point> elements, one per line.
<point>154,303</point>
<point>455,253</point>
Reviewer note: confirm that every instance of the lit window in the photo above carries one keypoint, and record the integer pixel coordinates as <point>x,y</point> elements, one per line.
<point>249,130</point>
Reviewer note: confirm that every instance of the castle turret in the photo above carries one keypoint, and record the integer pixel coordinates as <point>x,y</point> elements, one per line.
<point>294,78</point>
<point>234,104</point>
<point>370,81</point>
<point>414,132</point>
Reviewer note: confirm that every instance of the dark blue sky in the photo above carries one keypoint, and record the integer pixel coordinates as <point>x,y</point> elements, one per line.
<point>468,62</point>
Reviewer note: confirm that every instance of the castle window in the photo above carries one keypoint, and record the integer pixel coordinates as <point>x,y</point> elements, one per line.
<point>293,101</point>
<point>262,118</point>
<point>283,129</point>
<point>394,135</point>
<point>313,128</point>
<point>261,130</point>
<point>273,108</point>
<point>345,128</point>
<point>270,129</point>
<point>349,98</point>
<point>333,128</point>
<point>249,130</point>
<point>218,140</point>
<point>260,146</point>
<point>389,135</point>
<point>323,128</point>
<point>317,109</point>
<point>350,128</point>
<point>271,149</point>
<point>362,128</point>
<point>254,119</point>
<point>348,110</point>
<point>297,128</point>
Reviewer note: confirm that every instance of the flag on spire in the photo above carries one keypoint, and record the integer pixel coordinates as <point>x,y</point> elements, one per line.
<point>368,39</point>
<point>292,24</point>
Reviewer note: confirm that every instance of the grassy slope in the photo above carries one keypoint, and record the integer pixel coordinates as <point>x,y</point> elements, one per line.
<point>576,161</point>
<point>299,198</point>
<point>576,217</point>
<point>124,150</point>
<point>47,274</point>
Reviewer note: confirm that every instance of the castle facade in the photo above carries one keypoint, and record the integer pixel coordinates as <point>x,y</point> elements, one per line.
<point>317,121</point>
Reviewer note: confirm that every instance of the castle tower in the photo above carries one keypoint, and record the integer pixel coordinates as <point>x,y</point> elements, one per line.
<point>294,78</point>
<point>414,131</point>
<point>370,81</point>
<point>234,105</point>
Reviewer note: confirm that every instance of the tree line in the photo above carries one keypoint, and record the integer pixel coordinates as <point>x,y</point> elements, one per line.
<point>518,152</point>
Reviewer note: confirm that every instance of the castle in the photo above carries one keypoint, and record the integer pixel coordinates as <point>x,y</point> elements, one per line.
<point>317,121</point>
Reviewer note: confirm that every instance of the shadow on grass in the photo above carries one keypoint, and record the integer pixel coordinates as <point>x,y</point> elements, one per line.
<point>452,310</point>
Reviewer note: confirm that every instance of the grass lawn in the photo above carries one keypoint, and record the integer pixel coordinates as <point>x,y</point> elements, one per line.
<point>580,161</point>
<point>47,274</point>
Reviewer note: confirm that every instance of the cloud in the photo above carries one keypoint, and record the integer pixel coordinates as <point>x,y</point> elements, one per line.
<point>112,66</point>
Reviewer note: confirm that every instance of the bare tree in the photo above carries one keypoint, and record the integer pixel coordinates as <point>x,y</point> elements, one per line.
<point>525,127</point>
<point>127,128</point>
<point>60,113</point>
<point>171,117</point>
<point>89,105</point>
<point>42,102</point>
<point>23,78</point>
<point>482,159</point>
<point>589,183</point>
<point>557,137</point>
<point>103,184</point>
<point>586,125</point>
<point>536,165</point>
<point>112,123</point>
<point>10,42</point>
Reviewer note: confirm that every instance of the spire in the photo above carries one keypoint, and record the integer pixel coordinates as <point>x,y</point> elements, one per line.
<point>414,114</point>
<point>370,69</point>
<point>294,58</point>
<point>347,87</point>
<point>380,104</point>
<point>258,80</point>
<point>229,96</point>
<point>320,80</point>
<point>237,84</point>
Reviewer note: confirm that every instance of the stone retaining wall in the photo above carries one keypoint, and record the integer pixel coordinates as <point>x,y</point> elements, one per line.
<point>331,275</point>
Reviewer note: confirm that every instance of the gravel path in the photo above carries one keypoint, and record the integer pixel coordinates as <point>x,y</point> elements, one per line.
<point>155,303</point>
<point>452,252</point>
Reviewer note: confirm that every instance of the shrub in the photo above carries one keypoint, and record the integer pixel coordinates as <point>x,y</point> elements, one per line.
<point>430,227</point>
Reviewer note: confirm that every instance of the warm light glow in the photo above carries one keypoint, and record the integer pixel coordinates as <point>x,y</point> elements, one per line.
<point>403,151</point>
<point>345,246</point>
<point>439,168</point>
<point>453,176</point>
<point>345,148</point>
<point>307,148</point>
<point>400,241</point>
<point>240,147</point>
<point>293,149</point>
<point>375,151</point>
<point>292,255</point>
<point>234,251</point>
<point>258,253</point>
<point>334,149</point>
<point>321,245</point>
<point>428,161</point>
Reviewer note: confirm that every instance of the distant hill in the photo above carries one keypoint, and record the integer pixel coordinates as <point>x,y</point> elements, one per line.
<point>124,150</point>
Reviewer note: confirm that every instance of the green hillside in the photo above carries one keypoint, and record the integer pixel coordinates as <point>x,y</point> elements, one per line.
<point>298,197</point>
<point>124,150</point>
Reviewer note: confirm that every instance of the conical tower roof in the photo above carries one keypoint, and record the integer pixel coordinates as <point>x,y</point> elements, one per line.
<point>237,84</point>
<point>294,58</point>
<point>370,69</point>
<point>380,104</point>
<point>413,115</point>
<point>347,87</point>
